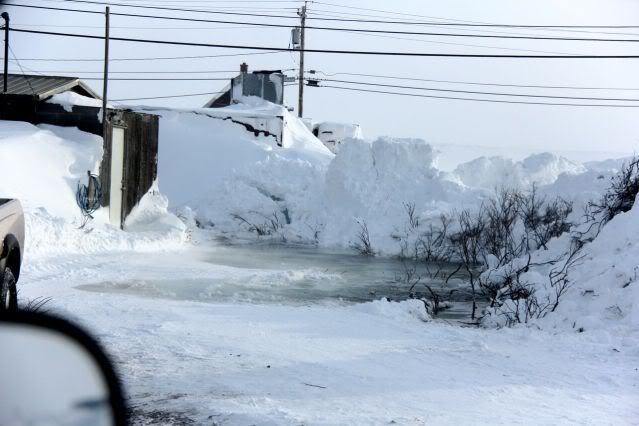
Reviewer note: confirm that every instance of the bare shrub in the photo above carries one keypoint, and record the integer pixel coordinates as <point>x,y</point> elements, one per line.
<point>413,219</point>
<point>467,244</point>
<point>265,225</point>
<point>619,197</point>
<point>519,301</point>
<point>498,231</point>
<point>432,298</point>
<point>509,226</point>
<point>363,243</point>
<point>543,220</point>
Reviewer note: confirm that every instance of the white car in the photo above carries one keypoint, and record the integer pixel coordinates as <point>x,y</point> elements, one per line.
<point>11,251</point>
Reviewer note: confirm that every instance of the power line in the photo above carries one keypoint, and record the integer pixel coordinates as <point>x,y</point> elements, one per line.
<point>177,9</point>
<point>149,72</point>
<point>348,52</point>
<point>449,43</point>
<point>467,22</point>
<point>139,72</point>
<point>132,27</point>
<point>161,58</point>
<point>480,100</point>
<point>167,97</point>
<point>318,15</point>
<point>470,92</point>
<point>323,17</point>
<point>21,70</point>
<point>473,83</point>
<point>355,30</point>
<point>347,20</point>
<point>156,79</point>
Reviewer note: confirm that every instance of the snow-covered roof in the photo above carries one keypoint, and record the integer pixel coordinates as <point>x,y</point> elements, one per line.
<point>44,86</point>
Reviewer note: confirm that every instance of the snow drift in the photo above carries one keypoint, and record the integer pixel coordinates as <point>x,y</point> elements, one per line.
<point>42,165</point>
<point>240,184</point>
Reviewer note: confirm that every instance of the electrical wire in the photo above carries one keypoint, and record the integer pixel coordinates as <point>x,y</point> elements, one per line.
<point>469,82</point>
<point>469,23</point>
<point>348,52</point>
<point>477,99</point>
<point>161,58</point>
<point>359,30</point>
<point>177,9</point>
<point>335,19</point>
<point>144,72</point>
<point>26,78</point>
<point>449,43</point>
<point>315,15</point>
<point>470,92</point>
<point>168,97</point>
<point>155,79</point>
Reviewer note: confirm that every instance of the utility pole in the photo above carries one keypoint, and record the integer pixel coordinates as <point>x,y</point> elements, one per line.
<point>106,75</point>
<point>5,16</point>
<point>300,101</point>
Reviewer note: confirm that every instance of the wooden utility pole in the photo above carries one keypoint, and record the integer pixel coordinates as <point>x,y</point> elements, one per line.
<point>5,16</point>
<point>300,100</point>
<point>106,75</point>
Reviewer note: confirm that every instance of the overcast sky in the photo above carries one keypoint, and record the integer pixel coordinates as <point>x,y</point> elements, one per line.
<point>437,121</point>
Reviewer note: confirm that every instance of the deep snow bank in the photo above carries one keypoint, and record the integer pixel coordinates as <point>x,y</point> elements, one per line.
<point>496,172</point>
<point>42,165</point>
<point>588,285</point>
<point>226,173</point>
<point>240,183</point>
<point>372,183</point>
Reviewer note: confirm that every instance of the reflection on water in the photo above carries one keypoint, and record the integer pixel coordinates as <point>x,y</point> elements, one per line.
<point>295,275</point>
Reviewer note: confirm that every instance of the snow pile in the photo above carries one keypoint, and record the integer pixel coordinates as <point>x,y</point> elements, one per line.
<point>599,289</point>
<point>606,281</point>
<point>405,310</point>
<point>372,183</point>
<point>241,184</point>
<point>68,100</point>
<point>497,172</point>
<point>42,165</point>
<point>151,214</point>
<point>221,170</point>
<point>47,235</point>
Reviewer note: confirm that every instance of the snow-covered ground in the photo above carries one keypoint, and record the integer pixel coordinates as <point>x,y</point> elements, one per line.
<point>372,363</point>
<point>205,359</point>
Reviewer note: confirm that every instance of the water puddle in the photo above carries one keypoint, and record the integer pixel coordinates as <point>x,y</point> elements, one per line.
<point>293,276</point>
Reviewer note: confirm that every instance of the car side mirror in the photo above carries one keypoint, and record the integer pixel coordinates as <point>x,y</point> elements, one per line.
<point>53,373</point>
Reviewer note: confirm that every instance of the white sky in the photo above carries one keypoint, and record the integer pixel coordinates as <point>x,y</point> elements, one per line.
<point>437,121</point>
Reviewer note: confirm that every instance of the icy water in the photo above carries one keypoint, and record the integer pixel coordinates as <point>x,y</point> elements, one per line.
<point>297,275</point>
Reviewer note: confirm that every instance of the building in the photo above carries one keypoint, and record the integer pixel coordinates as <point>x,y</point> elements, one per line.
<point>129,163</point>
<point>268,85</point>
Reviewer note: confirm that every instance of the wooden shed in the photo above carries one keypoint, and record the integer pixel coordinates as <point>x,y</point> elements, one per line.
<point>129,163</point>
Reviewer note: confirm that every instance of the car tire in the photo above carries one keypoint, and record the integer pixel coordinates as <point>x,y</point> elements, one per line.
<point>8,292</point>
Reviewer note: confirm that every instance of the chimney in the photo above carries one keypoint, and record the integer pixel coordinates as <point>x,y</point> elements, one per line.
<point>244,68</point>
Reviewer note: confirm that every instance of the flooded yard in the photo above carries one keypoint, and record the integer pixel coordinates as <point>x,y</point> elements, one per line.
<point>292,275</point>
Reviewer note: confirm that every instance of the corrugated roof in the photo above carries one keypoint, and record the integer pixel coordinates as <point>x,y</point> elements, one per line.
<point>44,86</point>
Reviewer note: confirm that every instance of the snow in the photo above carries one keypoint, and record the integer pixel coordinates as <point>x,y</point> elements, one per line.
<point>47,162</point>
<point>374,363</point>
<point>246,360</point>
<point>334,134</point>
<point>69,99</point>
<point>497,172</point>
